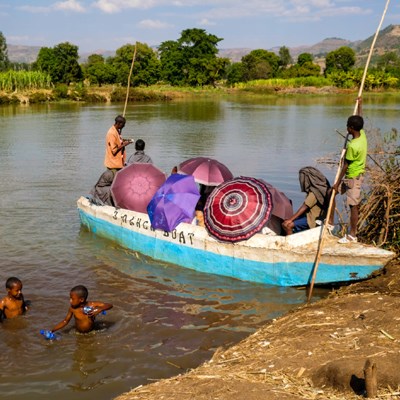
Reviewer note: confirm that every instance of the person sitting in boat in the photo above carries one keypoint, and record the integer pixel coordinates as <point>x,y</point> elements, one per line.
<point>273,226</point>
<point>315,206</point>
<point>205,191</point>
<point>282,209</point>
<point>101,192</point>
<point>139,156</point>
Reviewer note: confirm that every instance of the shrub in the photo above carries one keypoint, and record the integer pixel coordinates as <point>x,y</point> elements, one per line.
<point>39,97</point>
<point>60,91</point>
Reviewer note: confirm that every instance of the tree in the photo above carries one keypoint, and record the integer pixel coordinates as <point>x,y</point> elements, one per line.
<point>234,73</point>
<point>303,68</point>
<point>172,62</point>
<point>304,58</point>
<point>260,64</point>
<point>388,61</point>
<point>147,66</point>
<point>342,59</point>
<point>60,62</point>
<point>192,59</point>
<point>46,61</point>
<point>4,61</point>
<point>97,71</point>
<point>146,69</point>
<point>284,57</point>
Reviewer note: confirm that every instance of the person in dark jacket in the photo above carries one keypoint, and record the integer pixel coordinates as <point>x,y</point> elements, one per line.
<point>101,191</point>
<point>316,203</point>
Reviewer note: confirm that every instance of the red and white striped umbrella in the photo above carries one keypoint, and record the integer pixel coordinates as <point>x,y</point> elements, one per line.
<point>237,209</point>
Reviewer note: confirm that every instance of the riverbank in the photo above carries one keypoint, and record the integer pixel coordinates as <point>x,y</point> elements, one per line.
<point>111,93</point>
<point>318,351</point>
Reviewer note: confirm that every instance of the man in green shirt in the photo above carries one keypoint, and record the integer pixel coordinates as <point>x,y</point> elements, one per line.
<point>351,175</point>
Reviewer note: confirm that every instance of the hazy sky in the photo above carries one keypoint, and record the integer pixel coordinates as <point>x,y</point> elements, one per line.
<point>108,24</point>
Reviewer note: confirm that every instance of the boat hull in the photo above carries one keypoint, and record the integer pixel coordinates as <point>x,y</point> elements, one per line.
<point>275,260</point>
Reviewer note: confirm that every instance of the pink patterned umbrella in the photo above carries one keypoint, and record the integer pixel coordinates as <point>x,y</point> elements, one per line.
<point>205,170</point>
<point>135,185</point>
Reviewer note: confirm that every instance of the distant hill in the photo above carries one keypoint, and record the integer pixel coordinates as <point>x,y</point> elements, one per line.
<point>388,40</point>
<point>234,55</point>
<point>28,54</point>
<point>22,54</point>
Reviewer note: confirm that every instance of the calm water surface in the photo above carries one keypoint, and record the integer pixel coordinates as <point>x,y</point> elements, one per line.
<point>165,319</point>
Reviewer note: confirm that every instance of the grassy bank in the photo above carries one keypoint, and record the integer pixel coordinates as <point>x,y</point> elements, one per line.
<point>112,93</point>
<point>103,94</point>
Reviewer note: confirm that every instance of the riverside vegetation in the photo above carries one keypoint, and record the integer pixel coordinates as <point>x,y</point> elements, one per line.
<point>191,63</point>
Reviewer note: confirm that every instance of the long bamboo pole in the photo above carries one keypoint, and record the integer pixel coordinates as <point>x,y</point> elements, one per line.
<point>129,80</point>
<point>324,227</point>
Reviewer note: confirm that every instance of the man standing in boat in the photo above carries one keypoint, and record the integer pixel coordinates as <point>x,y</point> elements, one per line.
<point>115,146</point>
<point>351,175</point>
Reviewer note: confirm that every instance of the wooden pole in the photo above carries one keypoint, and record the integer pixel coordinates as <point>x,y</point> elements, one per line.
<point>324,229</point>
<point>129,80</point>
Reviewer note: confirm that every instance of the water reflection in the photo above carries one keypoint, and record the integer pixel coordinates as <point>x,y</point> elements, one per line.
<point>165,319</point>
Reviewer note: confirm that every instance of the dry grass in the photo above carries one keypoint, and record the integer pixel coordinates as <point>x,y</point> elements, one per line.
<point>379,221</point>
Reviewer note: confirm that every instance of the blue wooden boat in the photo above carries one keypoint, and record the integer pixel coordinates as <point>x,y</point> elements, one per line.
<point>269,259</point>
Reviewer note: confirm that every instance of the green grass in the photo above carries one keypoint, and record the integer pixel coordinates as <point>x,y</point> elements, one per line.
<point>314,81</point>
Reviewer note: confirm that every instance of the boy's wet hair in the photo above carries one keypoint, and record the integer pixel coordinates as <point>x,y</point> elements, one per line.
<point>81,291</point>
<point>139,144</point>
<point>356,122</point>
<point>12,281</point>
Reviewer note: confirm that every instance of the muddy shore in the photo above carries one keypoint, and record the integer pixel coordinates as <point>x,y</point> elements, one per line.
<point>318,351</point>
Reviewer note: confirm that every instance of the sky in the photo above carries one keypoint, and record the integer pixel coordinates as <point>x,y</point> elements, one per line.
<point>98,25</point>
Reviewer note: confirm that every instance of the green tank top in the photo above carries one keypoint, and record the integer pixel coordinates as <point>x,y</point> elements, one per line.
<point>356,153</point>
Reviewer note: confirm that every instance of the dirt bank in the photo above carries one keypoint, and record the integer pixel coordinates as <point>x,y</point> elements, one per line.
<point>315,352</point>
<point>112,93</point>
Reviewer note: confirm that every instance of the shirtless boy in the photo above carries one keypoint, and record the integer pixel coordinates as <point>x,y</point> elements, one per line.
<point>84,320</point>
<point>13,304</point>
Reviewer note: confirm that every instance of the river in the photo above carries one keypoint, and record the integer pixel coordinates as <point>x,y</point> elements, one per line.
<point>165,319</point>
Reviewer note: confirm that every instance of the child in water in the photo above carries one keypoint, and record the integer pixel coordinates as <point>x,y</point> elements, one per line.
<point>84,311</point>
<point>13,304</point>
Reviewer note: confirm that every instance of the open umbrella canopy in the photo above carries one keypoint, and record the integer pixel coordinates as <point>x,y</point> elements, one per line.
<point>283,207</point>
<point>205,170</point>
<point>174,202</point>
<point>237,209</point>
<point>135,185</point>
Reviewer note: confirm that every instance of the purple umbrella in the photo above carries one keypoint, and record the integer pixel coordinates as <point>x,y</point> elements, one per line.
<point>135,185</point>
<point>174,202</point>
